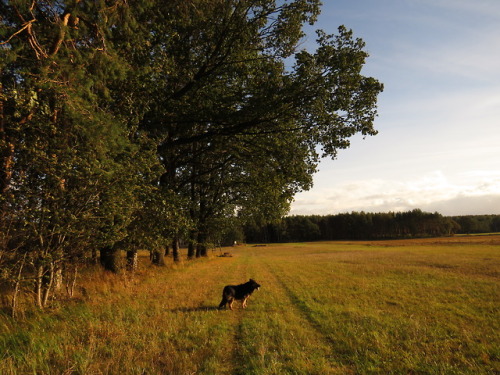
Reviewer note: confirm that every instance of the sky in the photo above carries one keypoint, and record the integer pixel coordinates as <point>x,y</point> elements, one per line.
<point>438,146</point>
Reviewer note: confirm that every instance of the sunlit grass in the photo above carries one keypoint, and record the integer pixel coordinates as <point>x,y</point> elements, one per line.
<point>390,307</point>
<point>401,310</point>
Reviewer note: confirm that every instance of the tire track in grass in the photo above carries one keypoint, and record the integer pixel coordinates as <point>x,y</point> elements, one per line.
<point>301,342</point>
<point>305,311</point>
<point>227,326</point>
<point>240,275</point>
<point>190,296</point>
<point>241,319</point>
<point>337,346</point>
<point>239,353</point>
<point>218,348</point>
<point>226,360</point>
<point>338,349</point>
<point>199,339</point>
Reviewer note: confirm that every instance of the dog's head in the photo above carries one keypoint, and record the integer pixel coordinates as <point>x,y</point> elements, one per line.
<point>254,284</point>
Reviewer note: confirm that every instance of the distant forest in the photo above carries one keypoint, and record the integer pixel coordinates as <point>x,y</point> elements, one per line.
<point>369,226</point>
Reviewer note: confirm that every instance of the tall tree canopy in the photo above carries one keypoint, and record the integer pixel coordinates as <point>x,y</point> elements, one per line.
<point>239,128</point>
<point>191,112</point>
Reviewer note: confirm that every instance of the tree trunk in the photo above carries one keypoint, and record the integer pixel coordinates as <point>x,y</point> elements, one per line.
<point>198,250</point>
<point>191,250</point>
<point>203,250</point>
<point>17,287</point>
<point>110,259</point>
<point>7,152</point>
<point>175,249</point>
<point>192,233</point>
<point>58,278</point>
<point>191,253</point>
<point>43,284</point>
<point>71,280</point>
<point>132,260</point>
<point>201,247</point>
<point>167,250</point>
<point>39,287</point>
<point>48,283</point>
<point>157,258</point>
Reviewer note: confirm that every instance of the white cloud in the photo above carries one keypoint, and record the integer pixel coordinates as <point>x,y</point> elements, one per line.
<point>477,194</point>
<point>466,205</point>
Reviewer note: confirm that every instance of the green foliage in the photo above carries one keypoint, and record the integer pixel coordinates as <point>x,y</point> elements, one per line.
<point>477,223</point>
<point>338,101</point>
<point>356,225</point>
<point>238,131</point>
<point>73,163</point>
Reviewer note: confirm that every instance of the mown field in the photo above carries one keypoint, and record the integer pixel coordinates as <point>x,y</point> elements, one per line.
<point>394,307</point>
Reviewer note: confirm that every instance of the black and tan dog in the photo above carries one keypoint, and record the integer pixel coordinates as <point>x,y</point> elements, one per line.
<point>238,292</point>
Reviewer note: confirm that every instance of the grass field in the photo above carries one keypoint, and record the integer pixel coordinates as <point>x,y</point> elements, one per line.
<point>390,307</point>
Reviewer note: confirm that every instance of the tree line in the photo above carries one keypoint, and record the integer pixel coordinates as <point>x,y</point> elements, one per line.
<point>369,226</point>
<point>469,224</point>
<point>137,125</point>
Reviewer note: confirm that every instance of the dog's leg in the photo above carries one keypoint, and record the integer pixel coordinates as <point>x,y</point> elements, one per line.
<point>222,303</point>
<point>244,303</point>
<point>231,304</point>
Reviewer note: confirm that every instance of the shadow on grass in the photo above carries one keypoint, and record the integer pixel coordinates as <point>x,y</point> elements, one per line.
<point>195,309</point>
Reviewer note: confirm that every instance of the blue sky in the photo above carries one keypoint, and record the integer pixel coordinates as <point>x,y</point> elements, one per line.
<point>438,147</point>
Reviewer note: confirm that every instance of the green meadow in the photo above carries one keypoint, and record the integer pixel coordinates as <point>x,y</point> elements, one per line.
<point>389,307</point>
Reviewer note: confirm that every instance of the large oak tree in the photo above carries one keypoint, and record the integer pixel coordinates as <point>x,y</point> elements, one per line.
<point>239,130</point>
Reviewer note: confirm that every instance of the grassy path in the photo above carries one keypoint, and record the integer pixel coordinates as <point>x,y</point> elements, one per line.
<point>324,308</point>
